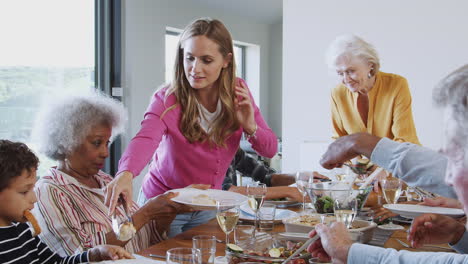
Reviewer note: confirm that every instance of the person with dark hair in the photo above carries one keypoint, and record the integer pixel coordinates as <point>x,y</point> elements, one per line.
<point>251,167</point>
<point>18,244</point>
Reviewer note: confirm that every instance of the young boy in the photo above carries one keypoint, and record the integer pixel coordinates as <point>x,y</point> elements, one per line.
<point>18,166</point>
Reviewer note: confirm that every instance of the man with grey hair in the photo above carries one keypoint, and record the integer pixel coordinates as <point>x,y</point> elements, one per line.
<point>418,166</point>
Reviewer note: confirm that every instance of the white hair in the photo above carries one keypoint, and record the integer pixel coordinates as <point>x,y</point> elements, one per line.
<point>452,93</point>
<point>63,124</point>
<point>352,46</point>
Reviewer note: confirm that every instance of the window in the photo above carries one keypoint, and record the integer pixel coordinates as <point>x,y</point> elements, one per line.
<point>172,37</point>
<point>48,46</point>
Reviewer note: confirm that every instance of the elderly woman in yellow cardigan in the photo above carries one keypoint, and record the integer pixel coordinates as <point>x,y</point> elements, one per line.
<point>368,100</point>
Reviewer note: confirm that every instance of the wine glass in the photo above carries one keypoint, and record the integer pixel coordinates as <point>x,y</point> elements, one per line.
<point>256,193</point>
<point>391,188</point>
<point>227,214</point>
<point>344,206</point>
<point>303,180</point>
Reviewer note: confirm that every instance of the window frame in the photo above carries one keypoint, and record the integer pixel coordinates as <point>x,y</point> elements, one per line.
<point>108,63</point>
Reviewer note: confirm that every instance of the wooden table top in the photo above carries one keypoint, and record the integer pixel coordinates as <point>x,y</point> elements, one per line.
<point>212,228</point>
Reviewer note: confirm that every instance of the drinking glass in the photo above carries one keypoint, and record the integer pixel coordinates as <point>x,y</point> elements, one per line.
<point>256,193</point>
<point>183,256</point>
<point>267,217</point>
<point>207,247</point>
<point>391,188</point>
<point>303,180</point>
<point>243,235</point>
<point>227,214</point>
<point>344,206</point>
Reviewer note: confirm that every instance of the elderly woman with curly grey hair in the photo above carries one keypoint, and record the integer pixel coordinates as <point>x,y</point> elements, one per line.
<point>76,132</point>
<point>368,100</point>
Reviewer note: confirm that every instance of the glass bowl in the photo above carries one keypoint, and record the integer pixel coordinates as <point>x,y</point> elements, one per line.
<point>322,195</point>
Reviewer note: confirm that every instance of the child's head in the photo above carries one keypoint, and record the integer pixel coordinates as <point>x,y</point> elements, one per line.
<point>18,166</point>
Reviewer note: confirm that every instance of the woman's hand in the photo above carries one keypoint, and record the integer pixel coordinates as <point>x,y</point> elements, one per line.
<point>244,109</point>
<point>108,252</point>
<point>442,202</point>
<point>334,243</point>
<point>163,210</point>
<point>380,214</point>
<point>163,206</point>
<point>435,229</point>
<point>121,184</point>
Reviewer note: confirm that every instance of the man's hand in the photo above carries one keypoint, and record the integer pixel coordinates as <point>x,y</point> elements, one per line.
<point>442,202</point>
<point>435,229</point>
<point>348,147</point>
<point>334,243</point>
<point>108,252</point>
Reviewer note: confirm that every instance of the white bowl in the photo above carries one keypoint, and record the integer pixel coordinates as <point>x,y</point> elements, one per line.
<point>366,227</point>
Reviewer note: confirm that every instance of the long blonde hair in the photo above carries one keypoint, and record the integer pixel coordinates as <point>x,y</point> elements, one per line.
<point>226,122</point>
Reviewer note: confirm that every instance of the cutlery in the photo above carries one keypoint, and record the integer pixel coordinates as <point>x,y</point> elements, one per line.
<point>424,246</point>
<point>157,256</point>
<point>115,222</point>
<point>299,250</point>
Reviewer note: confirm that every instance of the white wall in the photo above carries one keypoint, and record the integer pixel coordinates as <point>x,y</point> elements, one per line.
<point>275,92</point>
<point>421,40</point>
<point>144,25</point>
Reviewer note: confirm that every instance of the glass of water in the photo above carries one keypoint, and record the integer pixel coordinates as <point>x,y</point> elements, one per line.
<point>183,255</point>
<point>207,247</point>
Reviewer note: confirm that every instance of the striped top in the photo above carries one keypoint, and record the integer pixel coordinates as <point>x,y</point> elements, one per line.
<point>74,218</point>
<point>17,245</point>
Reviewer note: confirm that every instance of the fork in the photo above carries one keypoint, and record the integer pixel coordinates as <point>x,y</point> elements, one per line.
<point>426,246</point>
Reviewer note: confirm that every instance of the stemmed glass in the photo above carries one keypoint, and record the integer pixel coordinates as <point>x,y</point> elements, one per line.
<point>227,214</point>
<point>391,188</point>
<point>256,193</point>
<point>303,180</point>
<point>344,206</point>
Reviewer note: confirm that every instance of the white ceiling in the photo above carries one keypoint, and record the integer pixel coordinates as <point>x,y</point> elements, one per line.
<point>264,11</point>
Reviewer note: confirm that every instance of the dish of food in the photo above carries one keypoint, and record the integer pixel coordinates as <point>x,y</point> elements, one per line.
<point>276,251</point>
<point>206,199</point>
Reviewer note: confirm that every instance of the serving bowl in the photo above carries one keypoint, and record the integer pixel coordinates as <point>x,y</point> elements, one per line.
<point>361,230</point>
<point>323,194</point>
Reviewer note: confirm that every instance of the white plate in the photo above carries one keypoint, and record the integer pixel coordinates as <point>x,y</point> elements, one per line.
<point>414,210</point>
<point>186,196</point>
<point>247,214</point>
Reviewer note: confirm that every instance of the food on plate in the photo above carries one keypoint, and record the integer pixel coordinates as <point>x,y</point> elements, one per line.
<point>324,205</point>
<point>308,220</point>
<point>275,254</point>
<point>31,219</point>
<point>234,248</point>
<point>203,199</point>
<point>126,231</point>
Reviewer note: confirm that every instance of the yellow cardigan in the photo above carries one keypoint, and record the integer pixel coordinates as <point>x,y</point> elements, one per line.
<point>389,115</point>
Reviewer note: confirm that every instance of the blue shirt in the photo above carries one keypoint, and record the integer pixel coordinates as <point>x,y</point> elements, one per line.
<point>417,166</point>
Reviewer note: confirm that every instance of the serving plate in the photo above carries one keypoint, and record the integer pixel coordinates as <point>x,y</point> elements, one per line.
<point>186,196</point>
<point>415,210</point>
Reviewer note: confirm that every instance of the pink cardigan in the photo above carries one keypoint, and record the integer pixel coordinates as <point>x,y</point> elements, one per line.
<point>177,163</point>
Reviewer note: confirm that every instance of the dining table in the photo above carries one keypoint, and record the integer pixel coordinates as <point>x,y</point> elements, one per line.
<point>211,228</point>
